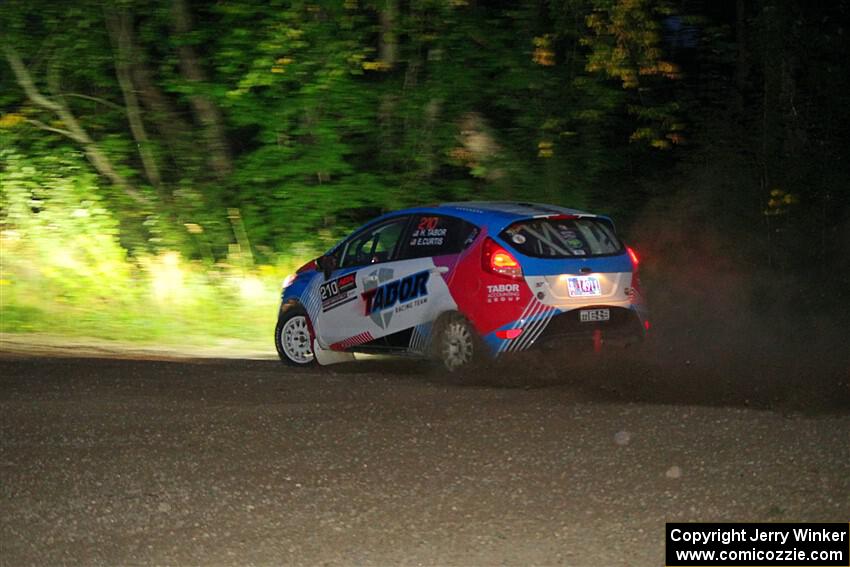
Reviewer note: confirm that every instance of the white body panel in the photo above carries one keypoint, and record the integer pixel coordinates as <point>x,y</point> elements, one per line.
<point>386,298</point>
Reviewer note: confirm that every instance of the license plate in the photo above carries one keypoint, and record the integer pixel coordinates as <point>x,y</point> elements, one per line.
<point>591,315</point>
<point>584,286</point>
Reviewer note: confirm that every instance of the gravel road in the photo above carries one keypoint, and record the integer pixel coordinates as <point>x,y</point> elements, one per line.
<point>236,462</point>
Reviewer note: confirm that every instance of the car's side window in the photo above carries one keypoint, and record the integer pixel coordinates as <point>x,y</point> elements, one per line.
<point>374,245</point>
<point>436,235</point>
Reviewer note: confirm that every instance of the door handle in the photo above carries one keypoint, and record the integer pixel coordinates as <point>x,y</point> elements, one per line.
<point>585,270</point>
<point>440,269</point>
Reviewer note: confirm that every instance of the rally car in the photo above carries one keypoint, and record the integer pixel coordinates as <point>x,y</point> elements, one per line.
<point>460,282</point>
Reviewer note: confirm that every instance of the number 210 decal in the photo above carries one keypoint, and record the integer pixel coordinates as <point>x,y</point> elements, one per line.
<point>428,223</point>
<point>336,292</point>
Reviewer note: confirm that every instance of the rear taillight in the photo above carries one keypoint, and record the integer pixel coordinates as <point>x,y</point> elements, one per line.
<point>635,285</point>
<point>633,255</point>
<point>496,260</point>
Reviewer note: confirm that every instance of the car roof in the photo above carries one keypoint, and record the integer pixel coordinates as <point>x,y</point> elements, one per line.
<point>496,215</point>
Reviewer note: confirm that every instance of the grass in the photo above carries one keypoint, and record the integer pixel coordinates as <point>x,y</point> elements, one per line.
<point>157,299</point>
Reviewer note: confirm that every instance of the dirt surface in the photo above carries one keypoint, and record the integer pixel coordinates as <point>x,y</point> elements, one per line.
<point>238,462</point>
<point>42,344</point>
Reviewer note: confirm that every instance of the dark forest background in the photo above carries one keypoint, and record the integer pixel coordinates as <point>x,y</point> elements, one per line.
<point>207,137</point>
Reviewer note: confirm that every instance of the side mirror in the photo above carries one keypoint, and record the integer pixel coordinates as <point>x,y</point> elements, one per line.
<point>327,264</point>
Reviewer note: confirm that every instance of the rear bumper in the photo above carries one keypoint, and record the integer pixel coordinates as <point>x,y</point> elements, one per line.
<point>625,326</point>
<point>553,329</point>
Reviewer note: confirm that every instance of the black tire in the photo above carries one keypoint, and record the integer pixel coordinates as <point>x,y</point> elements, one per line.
<point>292,338</point>
<point>456,346</point>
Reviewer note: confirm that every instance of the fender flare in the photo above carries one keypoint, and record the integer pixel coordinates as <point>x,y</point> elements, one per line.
<point>323,356</point>
<point>292,303</point>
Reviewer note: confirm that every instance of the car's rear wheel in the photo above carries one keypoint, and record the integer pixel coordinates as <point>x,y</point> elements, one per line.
<point>292,338</point>
<point>456,345</point>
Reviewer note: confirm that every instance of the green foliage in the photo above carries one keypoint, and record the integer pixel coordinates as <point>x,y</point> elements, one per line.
<point>327,124</point>
<point>299,120</point>
<point>295,88</point>
<point>63,269</point>
<point>56,225</point>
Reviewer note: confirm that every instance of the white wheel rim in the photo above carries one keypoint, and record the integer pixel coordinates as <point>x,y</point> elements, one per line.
<point>457,346</point>
<point>295,340</point>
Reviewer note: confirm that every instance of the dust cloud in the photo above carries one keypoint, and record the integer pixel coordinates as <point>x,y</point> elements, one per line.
<point>727,330</point>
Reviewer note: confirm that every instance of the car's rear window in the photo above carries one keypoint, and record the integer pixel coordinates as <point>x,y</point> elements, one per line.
<point>563,238</point>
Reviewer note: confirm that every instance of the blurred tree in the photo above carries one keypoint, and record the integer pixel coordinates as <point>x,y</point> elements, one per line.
<point>120,26</point>
<point>195,85</point>
<point>307,118</point>
<point>68,126</point>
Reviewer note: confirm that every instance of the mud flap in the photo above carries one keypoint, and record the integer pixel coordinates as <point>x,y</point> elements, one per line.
<point>326,357</point>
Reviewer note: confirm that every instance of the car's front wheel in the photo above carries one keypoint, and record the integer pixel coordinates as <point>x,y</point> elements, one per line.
<point>456,343</point>
<point>292,338</point>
